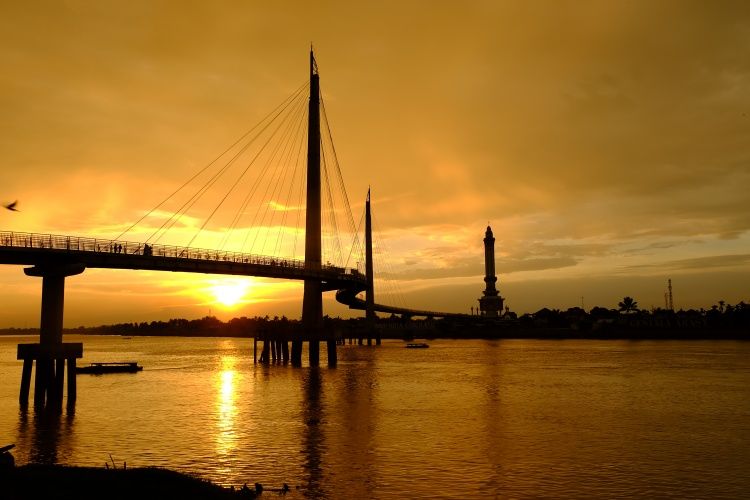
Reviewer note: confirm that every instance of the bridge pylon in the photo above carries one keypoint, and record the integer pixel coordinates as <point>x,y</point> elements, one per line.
<point>50,353</point>
<point>312,301</point>
<point>370,315</point>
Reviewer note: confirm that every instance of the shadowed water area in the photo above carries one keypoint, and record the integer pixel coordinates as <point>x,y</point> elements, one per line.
<point>477,419</point>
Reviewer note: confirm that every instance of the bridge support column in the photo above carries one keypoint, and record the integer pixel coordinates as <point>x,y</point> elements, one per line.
<point>23,397</point>
<point>72,389</point>
<point>50,373</point>
<point>41,382</point>
<point>313,351</point>
<point>332,358</point>
<point>285,351</point>
<point>312,318</point>
<point>297,352</point>
<point>50,354</point>
<point>265,354</point>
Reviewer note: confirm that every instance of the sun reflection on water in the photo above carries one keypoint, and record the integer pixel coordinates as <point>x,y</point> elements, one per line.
<point>226,433</point>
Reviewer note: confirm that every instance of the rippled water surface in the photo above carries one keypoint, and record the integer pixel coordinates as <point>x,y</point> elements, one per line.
<point>462,419</point>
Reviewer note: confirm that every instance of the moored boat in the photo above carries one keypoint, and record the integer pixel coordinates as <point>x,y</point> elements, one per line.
<point>417,346</point>
<point>117,367</point>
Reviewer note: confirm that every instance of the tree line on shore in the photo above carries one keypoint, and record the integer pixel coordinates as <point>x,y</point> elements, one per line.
<point>626,315</point>
<point>208,326</point>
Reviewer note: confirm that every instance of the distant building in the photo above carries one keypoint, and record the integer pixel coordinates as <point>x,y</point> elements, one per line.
<point>491,303</point>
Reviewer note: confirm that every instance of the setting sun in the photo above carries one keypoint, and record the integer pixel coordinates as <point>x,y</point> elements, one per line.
<point>229,292</point>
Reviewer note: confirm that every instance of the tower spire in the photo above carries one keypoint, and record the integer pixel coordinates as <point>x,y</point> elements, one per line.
<point>491,303</point>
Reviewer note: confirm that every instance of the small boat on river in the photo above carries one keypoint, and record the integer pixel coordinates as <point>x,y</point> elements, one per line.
<point>417,346</point>
<point>118,367</point>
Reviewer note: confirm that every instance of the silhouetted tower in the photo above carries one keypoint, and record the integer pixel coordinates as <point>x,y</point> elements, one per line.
<point>312,301</point>
<point>491,303</point>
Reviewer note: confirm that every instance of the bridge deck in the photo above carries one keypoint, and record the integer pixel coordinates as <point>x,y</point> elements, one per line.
<point>34,249</point>
<point>46,249</point>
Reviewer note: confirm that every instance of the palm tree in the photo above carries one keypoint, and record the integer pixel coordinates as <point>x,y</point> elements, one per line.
<point>628,305</point>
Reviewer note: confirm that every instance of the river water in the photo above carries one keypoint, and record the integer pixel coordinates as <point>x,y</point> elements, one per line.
<point>462,419</point>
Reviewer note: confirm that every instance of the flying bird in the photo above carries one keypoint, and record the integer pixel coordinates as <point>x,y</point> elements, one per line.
<point>12,206</point>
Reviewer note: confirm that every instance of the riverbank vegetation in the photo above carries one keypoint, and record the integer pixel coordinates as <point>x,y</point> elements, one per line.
<point>721,320</point>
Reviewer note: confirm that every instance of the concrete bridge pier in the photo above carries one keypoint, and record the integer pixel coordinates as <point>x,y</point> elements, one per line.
<point>314,352</point>
<point>275,349</point>
<point>265,352</point>
<point>297,352</point>
<point>50,354</point>
<point>280,350</point>
<point>332,356</point>
<point>284,351</point>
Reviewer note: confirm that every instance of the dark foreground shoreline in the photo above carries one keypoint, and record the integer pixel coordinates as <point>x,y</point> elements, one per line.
<point>84,483</point>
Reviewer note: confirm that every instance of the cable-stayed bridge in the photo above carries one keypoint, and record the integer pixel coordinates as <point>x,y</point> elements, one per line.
<point>48,250</point>
<point>274,150</point>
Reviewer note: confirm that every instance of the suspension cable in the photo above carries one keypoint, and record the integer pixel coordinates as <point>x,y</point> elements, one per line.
<point>175,217</point>
<point>242,137</point>
<point>340,176</point>
<point>252,190</point>
<point>236,182</point>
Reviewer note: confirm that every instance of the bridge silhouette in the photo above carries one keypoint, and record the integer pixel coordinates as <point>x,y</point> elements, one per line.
<point>55,257</point>
<point>49,250</point>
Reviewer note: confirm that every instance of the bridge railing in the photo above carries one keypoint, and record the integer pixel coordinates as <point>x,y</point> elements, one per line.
<point>105,246</point>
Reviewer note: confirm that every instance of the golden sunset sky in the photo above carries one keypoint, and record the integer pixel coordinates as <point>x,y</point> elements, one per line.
<point>606,142</point>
